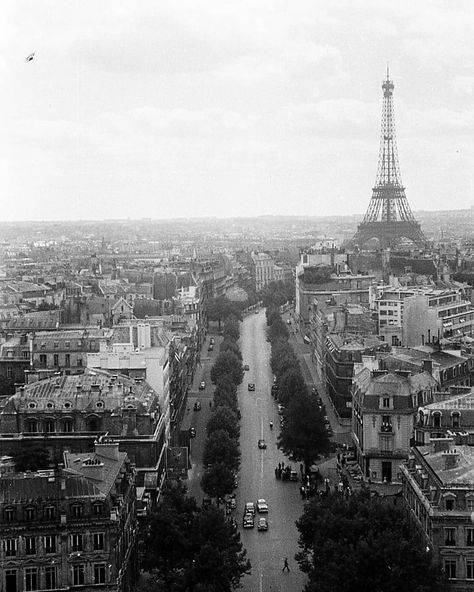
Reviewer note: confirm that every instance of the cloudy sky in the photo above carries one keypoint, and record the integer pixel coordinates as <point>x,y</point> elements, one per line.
<point>176,108</point>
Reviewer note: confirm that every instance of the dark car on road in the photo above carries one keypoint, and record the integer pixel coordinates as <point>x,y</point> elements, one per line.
<point>197,406</point>
<point>251,386</point>
<point>262,443</point>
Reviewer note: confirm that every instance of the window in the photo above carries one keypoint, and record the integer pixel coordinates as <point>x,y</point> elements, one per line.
<point>49,512</point>
<point>56,360</point>
<point>437,419</point>
<point>76,542</point>
<point>9,514</point>
<point>9,546</point>
<point>50,577</point>
<point>67,344</point>
<point>386,424</point>
<point>469,569</point>
<point>42,360</point>
<point>11,580</point>
<point>56,345</point>
<point>30,513</point>
<point>469,537</point>
<point>450,568</point>
<point>43,345</point>
<point>25,354</point>
<point>49,426</point>
<point>67,360</point>
<point>31,579</point>
<point>30,545</point>
<point>9,372</point>
<point>76,511</point>
<point>92,345</point>
<point>98,541</point>
<point>99,573</point>
<point>450,537</point>
<point>386,402</point>
<point>386,443</point>
<point>98,509</point>
<point>49,543</point>
<point>455,420</point>
<point>79,361</point>
<point>449,504</point>
<point>78,572</point>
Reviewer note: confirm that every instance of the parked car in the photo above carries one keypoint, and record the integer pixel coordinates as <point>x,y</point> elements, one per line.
<point>251,386</point>
<point>261,443</point>
<point>293,476</point>
<point>262,524</point>
<point>250,508</point>
<point>197,406</point>
<point>192,432</point>
<point>202,385</point>
<point>281,409</point>
<point>210,347</point>
<point>246,367</point>
<point>262,506</point>
<point>249,521</point>
<point>212,341</point>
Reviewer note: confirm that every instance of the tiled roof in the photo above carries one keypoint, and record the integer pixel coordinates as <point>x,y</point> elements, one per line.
<point>461,473</point>
<point>29,487</point>
<point>111,468</point>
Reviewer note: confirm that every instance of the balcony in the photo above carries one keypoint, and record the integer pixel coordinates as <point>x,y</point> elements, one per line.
<point>386,428</point>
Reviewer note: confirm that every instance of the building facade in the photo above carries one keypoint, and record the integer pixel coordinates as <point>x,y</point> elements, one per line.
<point>384,406</point>
<point>438,489</point>
<point>70,528</point>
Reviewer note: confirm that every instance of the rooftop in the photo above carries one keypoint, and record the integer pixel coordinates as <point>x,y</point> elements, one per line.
<point>461,473</point>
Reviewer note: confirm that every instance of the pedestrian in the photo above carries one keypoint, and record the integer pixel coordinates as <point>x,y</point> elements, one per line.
<point>301,469</point>
<point>279,466</point>
<point>210,404</point>
<point>285,565</point>
<point>276,472</point>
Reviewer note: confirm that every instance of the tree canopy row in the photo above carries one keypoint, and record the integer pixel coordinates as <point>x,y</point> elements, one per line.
<point>303,436</point>
<point>188,547</point>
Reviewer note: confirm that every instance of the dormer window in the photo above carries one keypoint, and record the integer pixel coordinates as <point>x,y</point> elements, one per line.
<point>386,402</point>
<point>456,419</point>
<point>449,501</point>
<point>437,419</point>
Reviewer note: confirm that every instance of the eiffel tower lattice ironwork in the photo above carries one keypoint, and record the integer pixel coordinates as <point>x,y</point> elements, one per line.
<point>389,217</point>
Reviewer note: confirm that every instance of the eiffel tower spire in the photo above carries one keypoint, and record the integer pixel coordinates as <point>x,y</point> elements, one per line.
<point>388,217</point>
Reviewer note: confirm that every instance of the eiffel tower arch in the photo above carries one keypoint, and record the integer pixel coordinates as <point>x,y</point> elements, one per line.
<point>389,218</point>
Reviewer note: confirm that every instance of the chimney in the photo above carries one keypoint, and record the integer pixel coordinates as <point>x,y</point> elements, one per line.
<point>107,449</point>
<point>428,366</point>
<point>441,444</point>
<point>92,468</point>
<point>451,459</point>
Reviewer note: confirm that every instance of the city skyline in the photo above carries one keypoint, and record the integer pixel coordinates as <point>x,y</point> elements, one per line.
<point>233,109</point>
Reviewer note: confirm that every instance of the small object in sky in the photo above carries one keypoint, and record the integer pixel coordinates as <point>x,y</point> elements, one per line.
<point>31,57</point>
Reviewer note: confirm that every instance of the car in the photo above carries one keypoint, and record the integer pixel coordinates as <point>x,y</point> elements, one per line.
<point>202,385</point>
<point>256,312</point>
<point>250,508</point>
<point>262,506</point>
<point>329,431</point>
<point>210,348</point>
<point>262,524</point>
<point>211,341</point>
<point>281,409</point>
<point>288,322</point>
<point>262,443</point>
<point>293,476</point>
<point>274,390</point>
<point>197,406</point>
<point>248,521</point>
<point>192,432</point>
<point>231,503</point>
<point>251,386</point>
<point>246,367</point>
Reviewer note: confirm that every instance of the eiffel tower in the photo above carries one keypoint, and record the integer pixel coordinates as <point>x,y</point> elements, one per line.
<point>389,217</point>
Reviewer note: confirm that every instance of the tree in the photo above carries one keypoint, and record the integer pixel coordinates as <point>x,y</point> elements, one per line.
<point>272,315</point>
<point>221,448</point>
<point>303,435</point>
<point>231,328</point>
<point>230,345</point>
<point>365,544</point>
<point>283,358</point>
<point>227,364</point>
<point>220,560</point>
<point>290,385</point>
<point>225,419</point>
<point>218,481</point>
<point>32,458</point>
<point>277,331</point>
